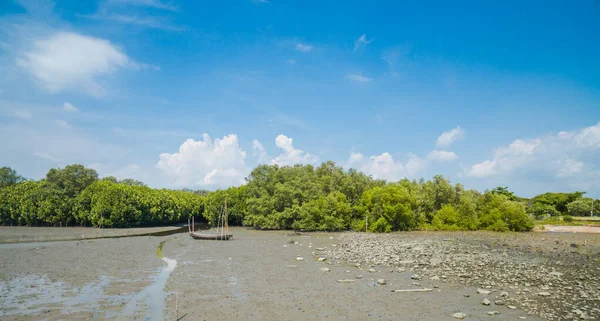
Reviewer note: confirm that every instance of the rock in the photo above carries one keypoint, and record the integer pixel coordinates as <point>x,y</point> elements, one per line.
<point>296,242</point>
<point>331,237</point>
<point>320,248</point>
<point>345,281</point>
<point>321,259</point>
<point>466,295</point>
<point>415,277</point>
<point>482,291</point>
<point>544,293</point>
<point>459,315</point>
<point>359,276</point>
<point>493,312</point>
<point>486,302</point>
<point>298,258</point>
<point>372,270</point>
<point>512,307</point>
<point>435,278</point>
<point>499,302</point>
<point>523,318</point>
<point>504,294</point>
<point>284,245</point>
<point>381,281</point>
<point>324,269</point>
<point>347,271</point>
<point>554,273</point>
<point>291,266</point>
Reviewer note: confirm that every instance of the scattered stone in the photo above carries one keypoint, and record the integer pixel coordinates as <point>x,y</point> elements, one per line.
<point>381,281</point>
<point>523,318</point>
<point>296,242</point>
<point>435,278</point>
<point>320,248</point>
<point>415,277</point>
<point>331,237</point>
<point>554,273</point>
<point>372,270</point>
<point>504,294</point>
<point>284,245</point>
<point>291,266</point>
<point>347,271</point>
<point>499,302</point>
<point>466,295</point>
<point>544,293</point>
<point>512,307</point>
<point>493,312</point>
<point>459,315</point>
<point>482,291</point>
<point>321,259</point>
<point>359,276</point>
<point>345,281</point>
<point>324,269</point>
<point>486,302</point>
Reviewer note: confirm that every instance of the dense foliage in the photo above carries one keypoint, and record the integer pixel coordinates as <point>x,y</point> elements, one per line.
<point>75,195</point>
<point>300,197</point>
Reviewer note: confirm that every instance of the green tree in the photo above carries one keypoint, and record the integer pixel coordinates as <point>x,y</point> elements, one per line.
<point>580,207</point>
<point>73,179</point>
<point>9,176</point>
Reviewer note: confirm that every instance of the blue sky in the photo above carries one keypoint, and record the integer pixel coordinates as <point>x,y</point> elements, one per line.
<point>196,93</point>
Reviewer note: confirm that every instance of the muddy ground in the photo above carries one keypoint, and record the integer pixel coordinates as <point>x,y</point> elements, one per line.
<point>272,276</point>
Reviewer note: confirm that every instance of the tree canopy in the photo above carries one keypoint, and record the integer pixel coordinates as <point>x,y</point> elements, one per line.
<point>300,197</point>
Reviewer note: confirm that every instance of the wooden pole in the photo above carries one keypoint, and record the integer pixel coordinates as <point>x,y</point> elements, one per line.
<point>193,225</point>
<point>189,227</point>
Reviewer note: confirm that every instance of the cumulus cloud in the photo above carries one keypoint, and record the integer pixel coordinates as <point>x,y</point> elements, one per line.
<point>22,114</point>
<point>70,61</point>
<point>62,124</point>
<point>567,157</point>
<point>291,155</point>
<point>206,163</point>
<point>303,47</point>
<point>442,156</point>
<point>447,138</point>
<point>358,78</point>
<point>361,42</point>
<point>69,107</point>
<point>259,151</point>
<point>384,166</point>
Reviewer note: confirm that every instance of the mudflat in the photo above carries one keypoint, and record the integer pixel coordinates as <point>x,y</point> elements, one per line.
<point>270,275</point>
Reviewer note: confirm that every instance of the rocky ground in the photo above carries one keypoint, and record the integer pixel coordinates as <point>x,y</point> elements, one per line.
<point>552,276</point>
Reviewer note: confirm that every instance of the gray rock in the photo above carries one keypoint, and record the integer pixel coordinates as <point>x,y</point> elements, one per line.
<point>504,294</point>
<point>345,281</point>
<point>499,302</point>
<point>381,281</point>
<point>321,259</point>
<point>459,315</point>
<point>493,312</point>
<point>482,291</point>
<point>512,307</point>
<point>372,270</point>
<point>359,276</point>
<point>486,302</point>
<point>544,293</point>
<point>415,277</point>
<point>324,269</point>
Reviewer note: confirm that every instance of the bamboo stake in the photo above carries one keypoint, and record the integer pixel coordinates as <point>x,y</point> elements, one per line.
<point>413,290</point>
<point>177,305</point>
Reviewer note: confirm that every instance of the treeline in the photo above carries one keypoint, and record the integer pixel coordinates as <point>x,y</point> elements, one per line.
<point>75,196</point>
<point>302,197</point>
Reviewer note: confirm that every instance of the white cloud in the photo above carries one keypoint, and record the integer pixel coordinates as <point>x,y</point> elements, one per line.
<point>303,47</point>
<point>570,167</point>
<point>291,155</point>
<point>157,4</point>
<point>206,163</point>
<point>259,151</point>
<point>358,78</point>
<point>442,156</point>
<point>72,61</point>
<point>385,167</point>
<point>46,156</point>
<point>447,138</point>
<point>69,107</point>
<point>62,124</point>
<point>561,156</point>
<point>361,42</point>
<point>139,20</point>
<point>22,114</point>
